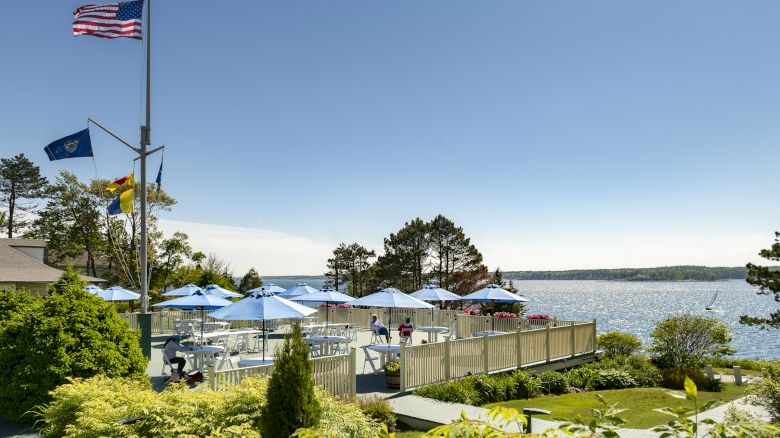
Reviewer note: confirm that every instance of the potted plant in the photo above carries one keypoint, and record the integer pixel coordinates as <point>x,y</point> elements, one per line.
<point>393,374</point>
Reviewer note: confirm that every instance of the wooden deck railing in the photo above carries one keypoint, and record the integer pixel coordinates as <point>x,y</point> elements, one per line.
<point>432,363</point>
<point>337,374</point>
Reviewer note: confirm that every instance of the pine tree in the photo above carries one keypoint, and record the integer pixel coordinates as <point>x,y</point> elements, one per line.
<point>291,401</point>
<point>251,280</point>
<point>768,282</point>
<point>19,179</point>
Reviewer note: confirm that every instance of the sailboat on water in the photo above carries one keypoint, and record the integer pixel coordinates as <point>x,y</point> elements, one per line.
<point>711,306</point>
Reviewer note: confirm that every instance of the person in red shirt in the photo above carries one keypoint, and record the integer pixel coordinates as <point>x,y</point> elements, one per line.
<point>405,330</point>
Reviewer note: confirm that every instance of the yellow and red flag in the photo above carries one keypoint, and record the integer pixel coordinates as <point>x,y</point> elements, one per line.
<point>127,179</point>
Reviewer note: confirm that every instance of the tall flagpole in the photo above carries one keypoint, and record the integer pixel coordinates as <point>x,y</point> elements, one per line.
<point>146,140</point>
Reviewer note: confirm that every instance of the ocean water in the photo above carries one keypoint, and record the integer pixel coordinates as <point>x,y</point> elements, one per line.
<point>634,306</point>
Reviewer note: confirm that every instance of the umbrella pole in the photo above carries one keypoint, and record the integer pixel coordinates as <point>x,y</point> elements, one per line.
<point>262,334</point>
<point>202,312</point>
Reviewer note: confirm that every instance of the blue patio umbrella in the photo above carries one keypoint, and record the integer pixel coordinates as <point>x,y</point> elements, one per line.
<point>270,287</point>
<point>91,288</point>
<point>392,298</point>
<point>297,290</point>
<point>262,306</point>
<point>432,292</point>
<point>117,293</point>
<point>493,293</point>
<point>324,296</point>
<point>198,301</point>
<point>221,292</point>
<point>182,291</point>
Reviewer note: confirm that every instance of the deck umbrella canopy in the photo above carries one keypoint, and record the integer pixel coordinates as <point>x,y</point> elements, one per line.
<point>493,293</point>
<point>391,298</point>
<point>298,290</point>
<point>324,296</point>
<point>221,292</point>
<point>183,291</point>
<point>117,293</point>
<point>432,292</point>
<point>270,287</point>
<point>91,288</point>
<point>262,306</point>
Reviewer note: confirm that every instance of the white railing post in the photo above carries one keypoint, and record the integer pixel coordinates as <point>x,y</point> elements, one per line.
<point>485,351</point>
<point>447,358</point>
<point>519,348</point>
<point>593,337</point>
<point>573,340</point>
<point>457,334</point>
<point>352,372</point>
<point>403,367</point>
<point>547,343</point>
<point>212,378</point>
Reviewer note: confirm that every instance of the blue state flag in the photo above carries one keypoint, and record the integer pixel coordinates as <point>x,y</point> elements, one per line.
<point>72,146</point>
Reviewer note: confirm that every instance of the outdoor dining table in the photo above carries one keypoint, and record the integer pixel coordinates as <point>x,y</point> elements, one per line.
<point>214,326</point>
<point>489,333</point>
<point>327,342</point>
<point>253,362</point>
<point>433,332</point>
<point>387,352</point>
<point>201,356</point>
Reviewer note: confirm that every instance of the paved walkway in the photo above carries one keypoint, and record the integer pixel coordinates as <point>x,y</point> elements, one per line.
<point>424,413</point>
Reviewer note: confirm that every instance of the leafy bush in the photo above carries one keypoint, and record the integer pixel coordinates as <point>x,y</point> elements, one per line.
<point>674,378</point>
<point>689,341</point>
<point>378,409</point>
<point>618,343</point>
<point>393,368</point>
<point>481,389</point>
<point>592,378</point>
<point>640,368</point>
<point>92,407</point>
<point>452,391</point>
<point>713,385</point>
<point>766,393</point>
<point>69,333</point>
<point>291,401</point>
<point>525,385</point>
<point>553,382</point>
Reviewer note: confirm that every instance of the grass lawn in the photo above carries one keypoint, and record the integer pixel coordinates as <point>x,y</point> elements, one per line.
<point>638,402</point>
<point>730,372</point>
<point>412,434</point>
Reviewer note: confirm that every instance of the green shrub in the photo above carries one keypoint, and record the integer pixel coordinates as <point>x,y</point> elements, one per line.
<point>378,409</point>
<point>713,385</point>
<point>618,343</point>
<point>291,401</point>
<point>553,382</point>
<point>69,333</point>
<point>766,392</point>
<point>674,378</point>
<point>745,364</point>
<point>91,408</point>
<point>393,368</point>
<point>525,385</point>
<point>640,368</point>
<point>593,379</point>
<point>689,341</point>
<point>453,391</point>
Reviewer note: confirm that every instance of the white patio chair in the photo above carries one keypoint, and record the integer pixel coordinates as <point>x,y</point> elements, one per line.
<point>739,378</point>
<point>377,338</point>
<point>406,340</point>
<point>370,360</point>
<point>166,363</point>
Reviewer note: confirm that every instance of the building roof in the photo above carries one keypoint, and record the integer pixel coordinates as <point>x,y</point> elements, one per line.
<point>18,267</point>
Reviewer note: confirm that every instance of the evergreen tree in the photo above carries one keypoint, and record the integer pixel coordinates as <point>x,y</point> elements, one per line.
<point>456,264</point>
<point>291,402</point>
<point>336,270</point>
<point>20,184</point>
<point>406,254</point>
<point>251,280</point>
<point>768,282</point>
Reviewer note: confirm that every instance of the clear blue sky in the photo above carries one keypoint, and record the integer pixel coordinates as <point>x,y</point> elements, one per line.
<point>558,134</point>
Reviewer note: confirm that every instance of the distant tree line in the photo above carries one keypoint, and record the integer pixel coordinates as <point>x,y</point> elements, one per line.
<point>664,273</point>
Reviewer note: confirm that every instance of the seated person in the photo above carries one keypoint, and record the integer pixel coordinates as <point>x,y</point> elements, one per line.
<point>379,328</point>
<point>405,330</point>
<point>170,348</point>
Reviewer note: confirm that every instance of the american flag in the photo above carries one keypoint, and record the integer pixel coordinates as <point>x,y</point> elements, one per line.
<point>109,20</point>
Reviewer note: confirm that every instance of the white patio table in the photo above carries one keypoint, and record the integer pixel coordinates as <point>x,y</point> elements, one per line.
<point>387,350</point>
<point>202,356</point>
<point>433,332</point>
<point>489,333</point>
<point>253,362</point>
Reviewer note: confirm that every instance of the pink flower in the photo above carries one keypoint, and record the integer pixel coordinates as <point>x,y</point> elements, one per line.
<point>539,316</point>
<point>505,315</point>
<point>344,306</point>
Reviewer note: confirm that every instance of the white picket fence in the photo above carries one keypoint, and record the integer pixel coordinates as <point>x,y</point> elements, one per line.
<point>337,374</point>
<point>431,363</point>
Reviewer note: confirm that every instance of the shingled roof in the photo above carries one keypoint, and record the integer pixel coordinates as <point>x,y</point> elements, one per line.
<point>18,267</point>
